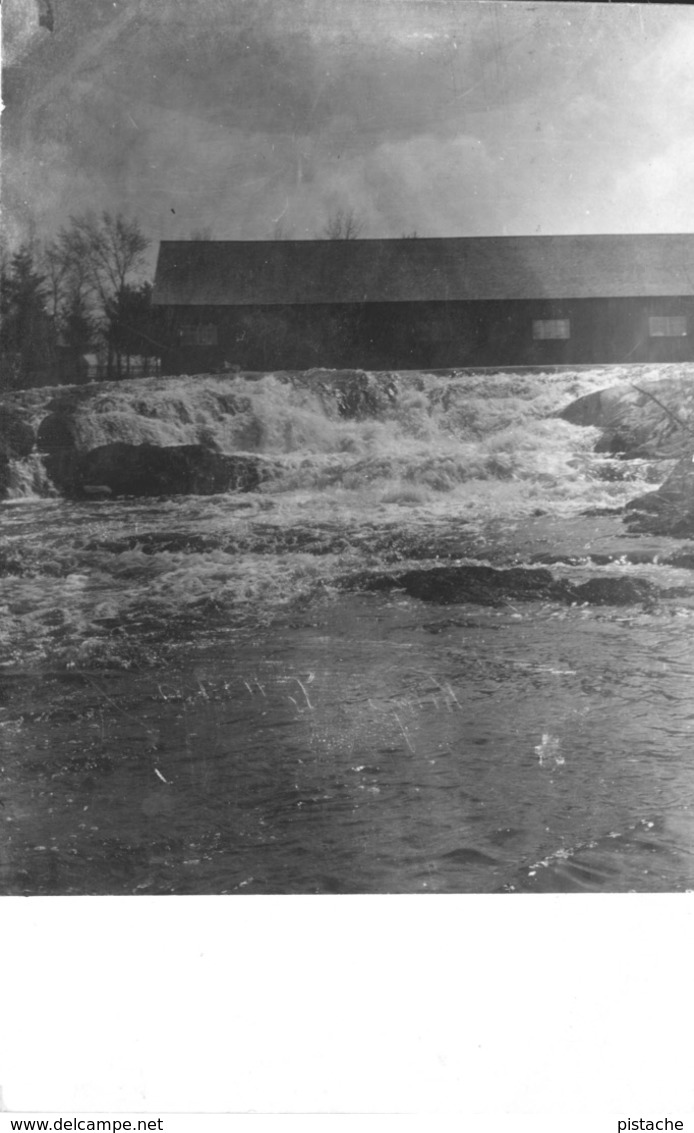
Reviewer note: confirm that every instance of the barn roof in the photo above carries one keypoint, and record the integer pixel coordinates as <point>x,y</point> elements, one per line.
<point>220,273</point>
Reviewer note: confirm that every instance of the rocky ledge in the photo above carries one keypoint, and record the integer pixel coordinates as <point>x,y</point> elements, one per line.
<point>487,586</point>
<point>165,436</point>
<point>649,418</point>
<point>147,438</point>
<point>670,509</point>
<point>149,470</point>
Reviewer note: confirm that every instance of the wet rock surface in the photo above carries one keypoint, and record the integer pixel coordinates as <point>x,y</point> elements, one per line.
<point>670,509</point>
<point>647,417</point>
<point>623,591</point>
<point>145,470</point>
<point>355,393</point>
<point>193,435</point>
<point>488,586</point>
<point>16,434</point>
<point>149,470</point>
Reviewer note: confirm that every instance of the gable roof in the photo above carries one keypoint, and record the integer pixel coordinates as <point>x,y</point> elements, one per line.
<point>246,272</point>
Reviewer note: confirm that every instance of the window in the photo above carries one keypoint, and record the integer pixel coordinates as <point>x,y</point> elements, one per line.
<point>551,328</point>
<point>667,326</point>
<point>199,335</point>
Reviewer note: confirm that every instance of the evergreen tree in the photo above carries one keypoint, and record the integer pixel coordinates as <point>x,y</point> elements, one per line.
<point>133,325</point>
<point>27,337</point>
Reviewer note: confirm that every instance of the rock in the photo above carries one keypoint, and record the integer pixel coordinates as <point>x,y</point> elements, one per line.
<point>5,473</point>
<point>484,585</point>
<point>616,443</point>
<point>621,591</point>
<point>150,470</point>
<point>140,438</point>
<point>356,394</point>
<point>17,437</point>
<point>62,469</point>
<point>670,509</point>
<point>643,417</point>
<point>97,491</point>
<point>600,408</point>
<point>487,586</point>
<point>55,433</point>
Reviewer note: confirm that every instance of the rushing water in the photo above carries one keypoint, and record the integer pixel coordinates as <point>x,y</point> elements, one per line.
<point>362,743</point>
<point>195,699</point>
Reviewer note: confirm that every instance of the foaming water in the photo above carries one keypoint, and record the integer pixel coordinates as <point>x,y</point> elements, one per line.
<point>28,479</point>
<point>194,700</point>
<point>408,438</point>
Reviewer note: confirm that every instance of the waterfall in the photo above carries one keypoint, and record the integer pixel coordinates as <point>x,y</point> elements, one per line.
<point>28,479</point>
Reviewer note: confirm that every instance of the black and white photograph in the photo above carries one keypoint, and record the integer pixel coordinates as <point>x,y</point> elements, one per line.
<point>346,453</point>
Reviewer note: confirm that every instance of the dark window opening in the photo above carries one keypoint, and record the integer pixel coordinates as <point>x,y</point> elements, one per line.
<point>667,326</point>
<point>551,328</point>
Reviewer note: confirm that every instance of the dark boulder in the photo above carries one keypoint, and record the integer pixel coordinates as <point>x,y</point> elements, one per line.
<point>615,443</point>
<point>150,470</point>
<point>5,474</point>
<point>488,586</point>
<point>97,491</point>
<point>599,408</point>
<point>16,435</point>
<point>55,433</point>
<point>623,434</point>
<point>480,584</point>
<point>670,509</point>
<point>621,591</point>
<point>642,417</point>
<point>55,439</point>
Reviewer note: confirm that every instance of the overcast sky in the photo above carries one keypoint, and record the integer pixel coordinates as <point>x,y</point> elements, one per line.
<point>444,117</point>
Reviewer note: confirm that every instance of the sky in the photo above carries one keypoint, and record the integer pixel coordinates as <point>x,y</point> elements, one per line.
<point>440,117</point>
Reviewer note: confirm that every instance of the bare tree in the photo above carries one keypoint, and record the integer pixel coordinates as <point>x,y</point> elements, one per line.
<point>343,224</point>
<point>55,269</point>
<point>72,295</point>
<point>103,254</point>
<point>112,246</point>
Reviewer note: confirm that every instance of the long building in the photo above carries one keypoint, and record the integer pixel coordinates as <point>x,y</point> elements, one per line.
<point>426,303</point>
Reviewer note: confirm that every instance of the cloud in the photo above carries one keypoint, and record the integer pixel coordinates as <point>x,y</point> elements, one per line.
<point>436,186</point>
<point>445,118</point>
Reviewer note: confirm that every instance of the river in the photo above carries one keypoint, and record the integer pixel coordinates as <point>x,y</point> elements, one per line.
<point>351,742</point>
<point>199,694</point>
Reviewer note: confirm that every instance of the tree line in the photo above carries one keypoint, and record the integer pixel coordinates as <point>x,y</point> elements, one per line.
<point>82,293</point>
<point>78,293</point>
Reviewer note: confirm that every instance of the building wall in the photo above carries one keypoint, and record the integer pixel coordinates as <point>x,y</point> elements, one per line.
<point>437,335</point>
